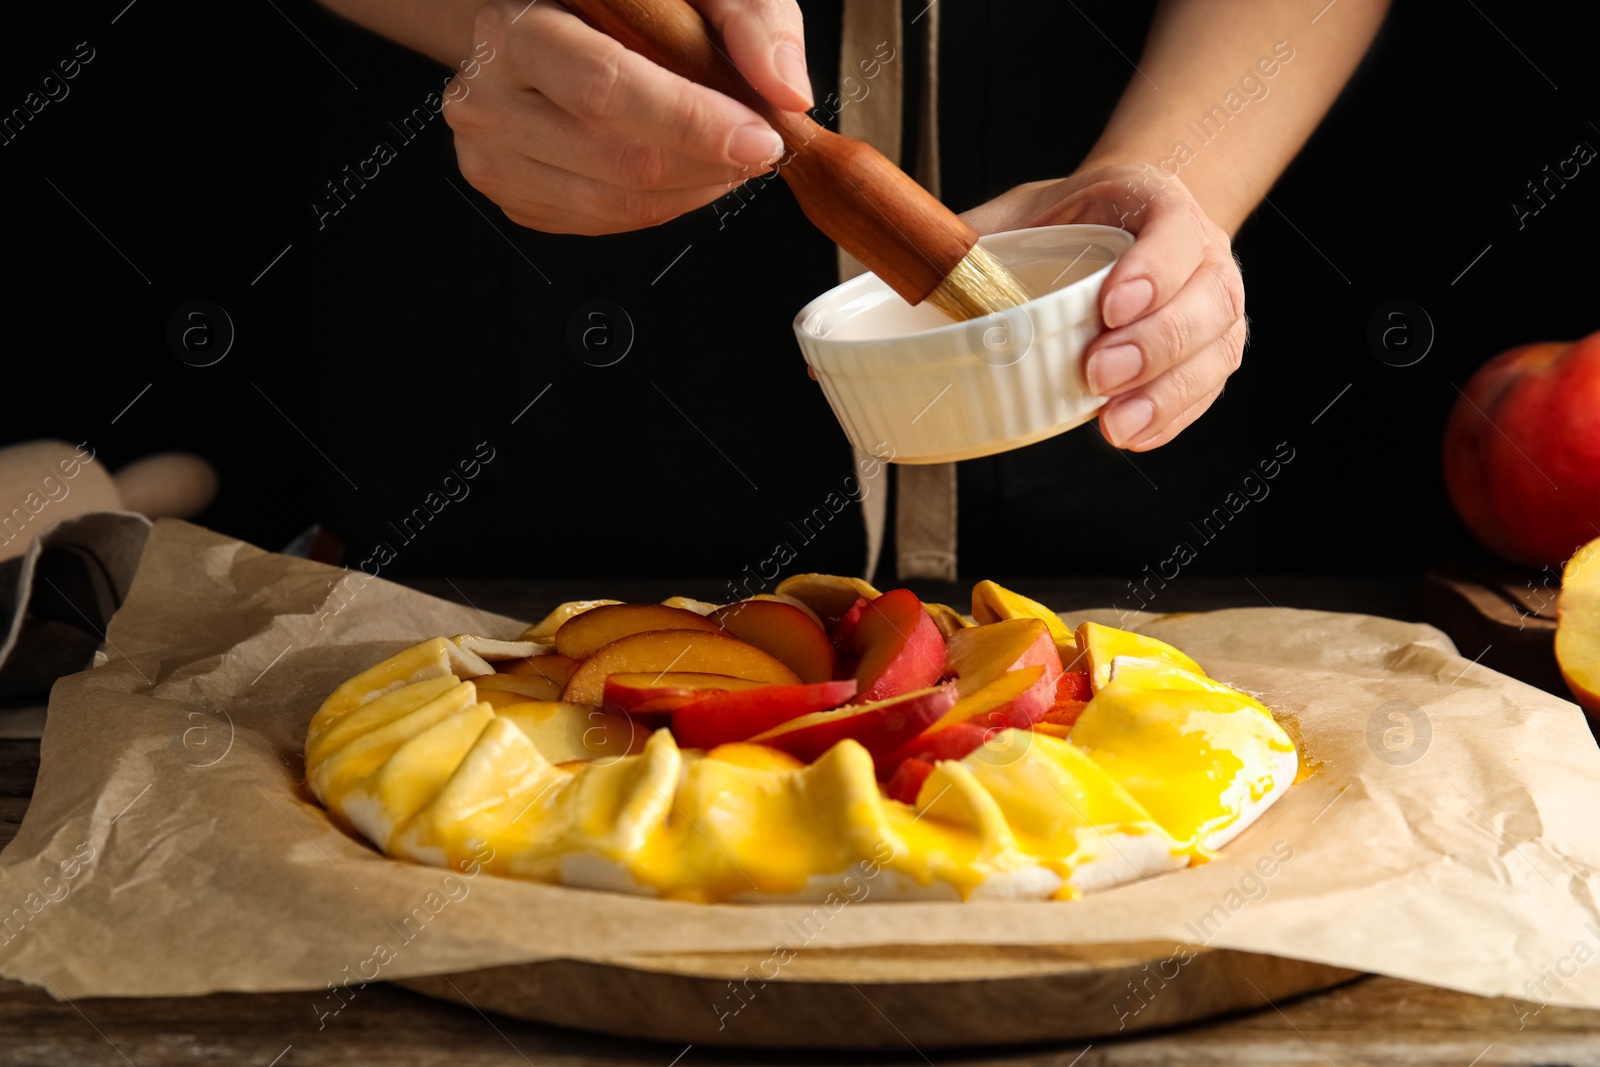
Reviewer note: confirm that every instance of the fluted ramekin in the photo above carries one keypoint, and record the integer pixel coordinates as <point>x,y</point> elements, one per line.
<point>907,379</point>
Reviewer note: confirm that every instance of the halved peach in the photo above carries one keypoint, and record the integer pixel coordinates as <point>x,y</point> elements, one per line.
<point>879,727</point>
<point>1578,627</point>
<point>700,651</point>
<point>664,691</point>
<point>722,718</point>
<point>829,595</point>
<point>784,631</point>
<point>582,635</point>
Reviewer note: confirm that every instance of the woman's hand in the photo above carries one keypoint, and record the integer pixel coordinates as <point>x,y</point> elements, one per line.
<point>1173,304</point>
<point>569,132</point>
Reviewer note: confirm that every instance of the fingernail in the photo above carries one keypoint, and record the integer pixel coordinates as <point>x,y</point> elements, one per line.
<point>1127,420</point>
<point>791,64</point>
<point>755,143</point>
<point>1111,367</point>
<point>1127,302</point>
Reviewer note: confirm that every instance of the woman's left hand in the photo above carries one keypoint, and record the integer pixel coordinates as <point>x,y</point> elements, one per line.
<point>1173,304</point>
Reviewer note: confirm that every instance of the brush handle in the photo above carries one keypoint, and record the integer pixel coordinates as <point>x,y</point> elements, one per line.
<point>850,191</point>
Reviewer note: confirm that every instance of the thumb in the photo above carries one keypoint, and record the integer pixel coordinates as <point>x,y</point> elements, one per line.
<point>766,41</point>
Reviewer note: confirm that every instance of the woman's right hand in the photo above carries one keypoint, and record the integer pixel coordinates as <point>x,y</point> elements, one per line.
<point>570,132</point>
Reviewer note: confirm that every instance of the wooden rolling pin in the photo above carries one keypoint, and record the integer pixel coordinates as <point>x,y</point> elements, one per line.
<point>43,482</point>
<point>850,191</point>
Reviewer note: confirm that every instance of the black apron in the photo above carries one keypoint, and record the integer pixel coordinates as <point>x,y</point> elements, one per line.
<point>636,404</point>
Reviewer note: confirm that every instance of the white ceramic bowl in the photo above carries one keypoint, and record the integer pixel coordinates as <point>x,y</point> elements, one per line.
<point>935,390</point>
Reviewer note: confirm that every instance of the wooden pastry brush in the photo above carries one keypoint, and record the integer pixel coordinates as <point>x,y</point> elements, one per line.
<point>850,191</point>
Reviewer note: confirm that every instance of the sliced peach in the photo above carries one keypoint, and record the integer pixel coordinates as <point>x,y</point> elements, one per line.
<point>1064,712</point>
<point>1016,699</point>
<point>797,603</point>
<point>689,603</point>
<point>829,595</point>
<point>545,629</point>
<point>906,782</point>
<point>556,668</point>
<point>582,635</point>
<point>784,631</point>
<point>946,618</point>
<point>897,647</point>
<point>980,655</point>
<point>502,698</point>
<point>1073,685</point>
<point>700,651</point>
<point>879,727</point>
<point>842,632</point>
<point>722,718</point>
<point>952,742</point>
<point>661,693</point>
<point>992,602</point>
<point>1578,627</point>
<point>535,687</point>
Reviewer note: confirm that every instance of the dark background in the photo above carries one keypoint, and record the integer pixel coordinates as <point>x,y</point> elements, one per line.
<point>381,349</point>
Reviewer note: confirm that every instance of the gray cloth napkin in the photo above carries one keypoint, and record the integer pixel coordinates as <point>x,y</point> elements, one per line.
<point>55,599</point>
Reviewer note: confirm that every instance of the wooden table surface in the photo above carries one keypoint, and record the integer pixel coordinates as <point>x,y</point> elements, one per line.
<point>1367,1021</point>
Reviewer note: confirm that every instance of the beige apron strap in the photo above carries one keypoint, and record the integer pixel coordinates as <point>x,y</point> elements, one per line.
<point>926,165</point>
<point>925,509</point>
<point>875,119</point>
<point>925,521</point>
<point>925,496</point>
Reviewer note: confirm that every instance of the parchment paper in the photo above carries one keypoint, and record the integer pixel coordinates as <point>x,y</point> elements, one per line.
<point>1447,834</point>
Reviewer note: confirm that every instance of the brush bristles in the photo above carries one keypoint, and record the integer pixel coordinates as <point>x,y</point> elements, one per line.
<point>980,285</point>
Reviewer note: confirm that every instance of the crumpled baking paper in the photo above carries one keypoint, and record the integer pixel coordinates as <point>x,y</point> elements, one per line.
<point>1444,834</point>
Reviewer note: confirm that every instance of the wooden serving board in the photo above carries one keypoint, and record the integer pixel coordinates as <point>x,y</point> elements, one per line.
<point>926,996</point>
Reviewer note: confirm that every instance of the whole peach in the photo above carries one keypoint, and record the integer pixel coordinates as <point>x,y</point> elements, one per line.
<point>1522,451</point>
